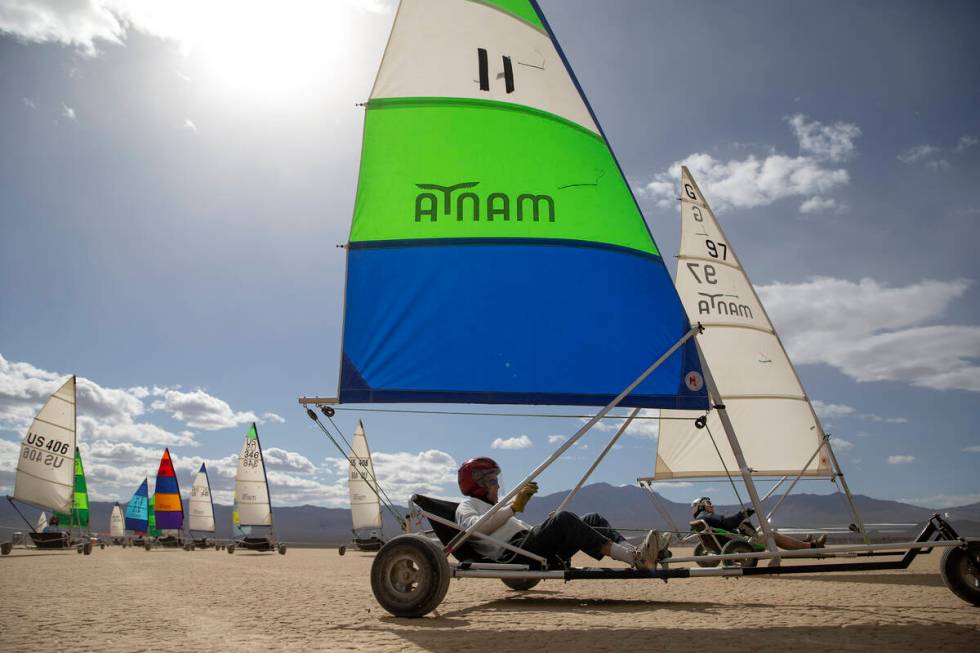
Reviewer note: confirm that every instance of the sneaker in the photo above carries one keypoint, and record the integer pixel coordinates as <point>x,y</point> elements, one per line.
<point>649,552</point>
<point>818,542</point>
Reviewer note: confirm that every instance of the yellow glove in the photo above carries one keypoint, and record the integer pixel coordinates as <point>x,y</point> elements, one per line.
<point>523,496</point>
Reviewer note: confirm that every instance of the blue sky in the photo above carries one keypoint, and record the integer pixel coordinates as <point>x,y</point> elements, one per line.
<point>175,180</point>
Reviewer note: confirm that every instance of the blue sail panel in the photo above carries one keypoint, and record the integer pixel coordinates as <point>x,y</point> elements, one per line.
<point>512,322</point>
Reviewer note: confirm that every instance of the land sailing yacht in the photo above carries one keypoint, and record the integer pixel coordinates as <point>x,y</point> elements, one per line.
<point>487,191</point>
<point>253,508</point>
<point>46,473</point>
<point>200,517</point>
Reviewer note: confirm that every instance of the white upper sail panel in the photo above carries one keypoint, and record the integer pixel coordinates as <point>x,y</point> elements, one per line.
<point>770,412</point>
<point>46,466</point>
<point>117,527</point>
<point>251,488</point>
<point>434,51</point>
<point>201,509</point>
<point>364,504</point>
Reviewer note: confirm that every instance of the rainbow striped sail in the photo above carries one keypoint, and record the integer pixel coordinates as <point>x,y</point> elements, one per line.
<point>167,504</point>
<point>496,253</point>
<point>79,511</point>
<point>137,510</point>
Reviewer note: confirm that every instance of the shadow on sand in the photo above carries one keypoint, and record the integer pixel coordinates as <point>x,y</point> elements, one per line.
<point>904,578</point>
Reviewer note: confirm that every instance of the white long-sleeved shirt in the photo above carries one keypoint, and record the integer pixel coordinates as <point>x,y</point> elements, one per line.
<point>470,510</point>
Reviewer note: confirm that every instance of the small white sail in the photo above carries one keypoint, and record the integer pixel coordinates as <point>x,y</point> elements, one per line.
<point>771,414</point>
<point>365,507</point>
<point>46,466</point>
<point>42,522</point>
<point>251,485</point>
<point>201,517</point>
<point>116,526</point>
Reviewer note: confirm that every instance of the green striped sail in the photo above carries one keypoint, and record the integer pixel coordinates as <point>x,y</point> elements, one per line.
<point>79,512</point>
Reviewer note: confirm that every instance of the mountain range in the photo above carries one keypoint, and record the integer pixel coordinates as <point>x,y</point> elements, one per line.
<point>629,507</point>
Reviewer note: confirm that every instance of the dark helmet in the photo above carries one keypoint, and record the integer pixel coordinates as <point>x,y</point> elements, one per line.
<point>700,504</point>
<point>474,474</point>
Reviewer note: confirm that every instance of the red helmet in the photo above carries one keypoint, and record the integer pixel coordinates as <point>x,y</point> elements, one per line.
<point>474,474</point>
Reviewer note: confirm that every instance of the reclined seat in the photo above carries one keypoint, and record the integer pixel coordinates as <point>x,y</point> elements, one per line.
<point>447,510</point>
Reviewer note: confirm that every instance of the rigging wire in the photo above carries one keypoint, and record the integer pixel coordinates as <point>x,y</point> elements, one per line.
<point>376,483</point>
<point>727,473</point>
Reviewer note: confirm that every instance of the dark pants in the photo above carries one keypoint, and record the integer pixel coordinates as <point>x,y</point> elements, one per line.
<point>564,534</point>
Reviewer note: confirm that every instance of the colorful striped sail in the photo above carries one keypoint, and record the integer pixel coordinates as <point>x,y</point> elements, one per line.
<point>151,520</point>
<point>137,510</point>
<point>79,511</point>
<point>167,503</point>
<point>496,253</point>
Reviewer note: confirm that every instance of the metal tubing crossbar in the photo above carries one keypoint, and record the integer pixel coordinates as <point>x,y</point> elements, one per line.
<point>464,535</point>
<point>622,429</point>
<point>484,536</point>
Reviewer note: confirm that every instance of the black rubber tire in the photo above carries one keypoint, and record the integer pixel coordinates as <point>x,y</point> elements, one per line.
<point>87,548</point>
<point>700,550</point>
<point>102,546</point>
<point>520,584</point>
<point>6,548</point>
<point>147,546</point>
<point>231,548</point>
<point>342,550</point>
<point>282,549</point>
<point>961,571</point>
<point>739,546</point>
<point>78,549</point>
<point>410,576</point>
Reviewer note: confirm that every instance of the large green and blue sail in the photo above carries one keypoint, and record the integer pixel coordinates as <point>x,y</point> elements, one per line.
<point>79,511</point>
<point>497,254</point>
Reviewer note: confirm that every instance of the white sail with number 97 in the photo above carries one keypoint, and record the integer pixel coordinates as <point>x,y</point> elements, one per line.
<point>46,466</point>
<point>775,423</point>
<point>365,506</point>
<point>251,484</point>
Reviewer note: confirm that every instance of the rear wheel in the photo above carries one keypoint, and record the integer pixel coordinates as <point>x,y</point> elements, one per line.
<point>282,549</point>
<point>6,548</point>
<point>87,548</point>
<point>701,550</point>
<point>147,546</point>
<point>410,576</point>
<point>231,548</point>
<point>102,546</point>
<point>739,546</point>
<point>960,567</point>
<point>342,550</point>
<point>520,584</point>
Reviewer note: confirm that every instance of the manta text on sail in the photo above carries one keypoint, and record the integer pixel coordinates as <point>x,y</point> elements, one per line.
<point>468,205</point>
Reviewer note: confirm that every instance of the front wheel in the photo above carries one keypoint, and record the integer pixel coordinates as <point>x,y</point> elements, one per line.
<point>701,550</point>
<point>410,576</point>
<point>739,546</point>
<point>342,550</point>
<point>147,546</point>
<point>960,567</point>
<point>520,584</point>
<point>6,548</point>
<point>282,549</point>
<point>231,548</point>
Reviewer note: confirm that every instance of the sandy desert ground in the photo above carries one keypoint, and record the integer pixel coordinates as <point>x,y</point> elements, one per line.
<point>313,599</point>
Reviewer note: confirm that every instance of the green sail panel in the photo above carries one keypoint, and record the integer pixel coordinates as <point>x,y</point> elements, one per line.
<point>79,510</point>
<point>151,520</point>
<point>549,178</point>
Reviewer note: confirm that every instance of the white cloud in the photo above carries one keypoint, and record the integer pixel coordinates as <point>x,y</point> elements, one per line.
<point>272,418</point>
<point>403,474</point>
<point>821,205</point>
<point>29,103</point>
<point>830,411</point>
<point>517,442</point>
<point>900,460</point>
<point>189,124</point>
<point>973,449</point>
<point>918,153</point>
<point>276,458</point>
<point>67,112</point>
<point>752,182</point>
<point>871,332</point>
<point>645,425</point>
<point>940,164</point>
<point>965,143</point>
<point>200,410</point>
<point>555,439</point>
<point>828,142</point>
<point>841,444</point>
<point>79,23</point>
